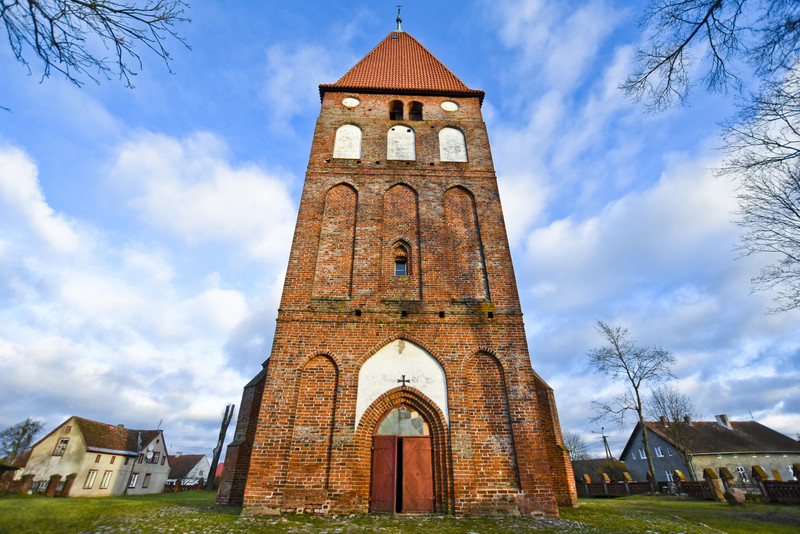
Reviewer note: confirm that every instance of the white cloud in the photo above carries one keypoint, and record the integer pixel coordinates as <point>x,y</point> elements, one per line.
<point>21,196</point>
<point>292,76</point>
<point>190,189</point>
<point>112,330</point>
<point>558,40</point>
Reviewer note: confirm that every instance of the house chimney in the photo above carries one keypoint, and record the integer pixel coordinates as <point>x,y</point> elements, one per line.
<point>663,420</point>
<point>722,420</point>
<point>687,419</point>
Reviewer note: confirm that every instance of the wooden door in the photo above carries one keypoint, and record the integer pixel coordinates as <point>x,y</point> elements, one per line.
<point>384,464</point>
<point>417,475</point>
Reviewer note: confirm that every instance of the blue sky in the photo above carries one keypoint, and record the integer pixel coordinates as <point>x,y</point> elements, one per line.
<point>144,233</point>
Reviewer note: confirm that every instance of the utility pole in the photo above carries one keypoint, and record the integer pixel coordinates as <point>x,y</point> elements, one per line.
<point>223,430</point>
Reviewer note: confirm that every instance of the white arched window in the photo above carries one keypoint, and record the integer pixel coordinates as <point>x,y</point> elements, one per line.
<point>347,144</point>
<point>400,143</point>
<point>452,146</point>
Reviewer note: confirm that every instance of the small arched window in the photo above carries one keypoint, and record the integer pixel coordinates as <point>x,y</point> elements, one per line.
<point>347,144</point>
<point>401,261</point>
<point>400,143</point>
<point>396,110</point>
<point>452,146</point>
<point>415,113</point>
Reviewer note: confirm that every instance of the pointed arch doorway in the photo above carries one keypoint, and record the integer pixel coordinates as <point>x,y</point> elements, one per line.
<point>402,463</point>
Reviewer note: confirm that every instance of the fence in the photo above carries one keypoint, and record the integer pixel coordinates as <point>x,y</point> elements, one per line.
<point>710,488</point>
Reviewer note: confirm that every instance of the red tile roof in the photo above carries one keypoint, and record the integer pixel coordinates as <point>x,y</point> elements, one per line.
<point>400,64</point>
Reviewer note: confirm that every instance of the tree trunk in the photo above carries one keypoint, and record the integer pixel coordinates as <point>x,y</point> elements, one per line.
<point>650,465</point>
<point>223,430</point>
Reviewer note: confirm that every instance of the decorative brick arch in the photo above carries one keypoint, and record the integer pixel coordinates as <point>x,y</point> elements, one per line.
<point>440,442</point>
<point>464,253</point>
<point>308,466</point>
<point>486,389</point>
<point>337,363</point>
<point>333,271</point>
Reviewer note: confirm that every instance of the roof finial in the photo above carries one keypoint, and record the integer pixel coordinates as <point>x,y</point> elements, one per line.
<point>399,20</point>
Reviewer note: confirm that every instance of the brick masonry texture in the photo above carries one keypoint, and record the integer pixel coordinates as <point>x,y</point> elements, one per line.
<point>342,302</point>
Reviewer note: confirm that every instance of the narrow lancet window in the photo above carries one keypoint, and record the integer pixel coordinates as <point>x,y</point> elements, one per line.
<point>400,261</point>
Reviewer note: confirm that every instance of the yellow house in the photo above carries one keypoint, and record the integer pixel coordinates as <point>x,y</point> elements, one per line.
<point>83,458</point>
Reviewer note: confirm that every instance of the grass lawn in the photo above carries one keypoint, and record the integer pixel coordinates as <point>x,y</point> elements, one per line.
<point>195,512</point>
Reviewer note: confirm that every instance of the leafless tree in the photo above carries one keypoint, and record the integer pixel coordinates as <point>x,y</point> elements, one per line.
<point>636,367</point>
<point>764,161</point>
<point>765,34</point>
<point>739,40</point>
<point>74,37</point>
<point>17,439</point>
<point>669,403</point>
<point>578,449</point>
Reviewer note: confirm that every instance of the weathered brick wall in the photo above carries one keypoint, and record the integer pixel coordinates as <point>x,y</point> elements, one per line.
<point>341,304</point>
<point>237,455</point>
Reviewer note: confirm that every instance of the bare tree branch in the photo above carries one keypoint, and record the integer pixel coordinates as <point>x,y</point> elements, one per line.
<point>764,161</point>
<point>668,405</point>
<point>73,36</point>
<point>578,449</point>
<point>623,360</point>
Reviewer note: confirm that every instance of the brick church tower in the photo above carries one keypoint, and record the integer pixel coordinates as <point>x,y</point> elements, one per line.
<point>399,378</point>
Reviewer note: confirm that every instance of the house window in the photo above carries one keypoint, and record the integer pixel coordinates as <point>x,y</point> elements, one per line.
<point>658,452</point>
<point>156,455</point>
<point>735,455</point>
<point>146,481</point>
<point>97,458</point>
<point>67,430</point>
<point>106,480</point>
<point>791,474</point>
<point>163,459</point>
<point>134,479</point>
<point>642,454</point>
<point>719,457</point>
<point>126,460</point>
<point>766,456</point>
<point>141,458</point>
<point>743,474</point>
<point>633,455</point>
<point>669,451</point>
<point>61,447</point>
<point>396,110</point>
<point>669,476</point>
<point>113,458</point>
<point>90,479</point>
<point>415,113</point>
